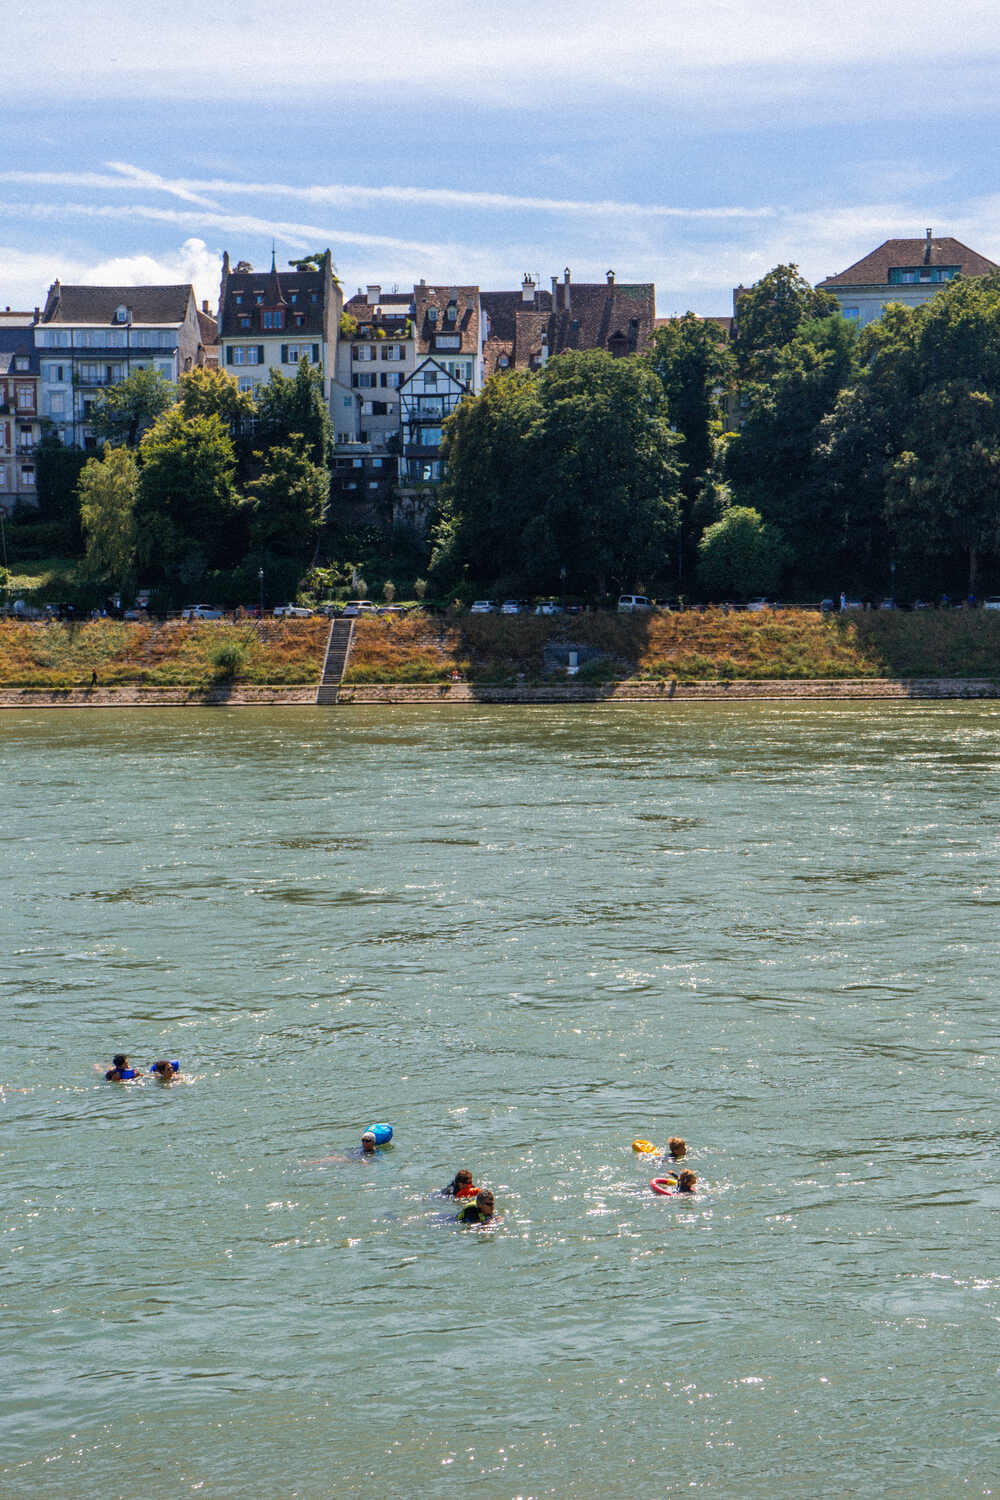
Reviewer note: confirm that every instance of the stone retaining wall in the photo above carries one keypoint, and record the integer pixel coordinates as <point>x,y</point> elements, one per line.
<point>847,689</point>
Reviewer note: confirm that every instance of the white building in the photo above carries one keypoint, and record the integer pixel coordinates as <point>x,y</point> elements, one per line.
<point>272,320</point>
<point>904,271</point>
<point>92,337</point>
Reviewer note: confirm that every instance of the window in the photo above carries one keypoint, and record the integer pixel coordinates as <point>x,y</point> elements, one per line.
<point>906,275</point>
<point>373,484</point>
<point>20,362</point>
<point>357,463</point>
<point>293,297</point>
<point>393,351</point>
<point>274,317</point>
<point>363,382</point>
<point>448,341</point>
<point>348,401</point>
<point>238,299</point>
<point>427,437</point>
<point>291,354</point>
<point>258,298</point>
<point>391,379</point>
<point>25,398</point>
<point>28,475</point>
<point>57,404</point>
<point>299,319</point>
<point>850,312</point>
<point>54,374</point>
<point>245,354</point>
<point>377,463</point>
<point>244,320</point>
<point>247,383</point>
<point>380,409</point>
<point>432,315</point>
<point>3,476</point>
<point>430,380</point>
<point>364,353</point>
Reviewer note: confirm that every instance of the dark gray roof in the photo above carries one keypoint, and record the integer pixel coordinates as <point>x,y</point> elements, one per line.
<point>17,341</point>
<point>97,304</point>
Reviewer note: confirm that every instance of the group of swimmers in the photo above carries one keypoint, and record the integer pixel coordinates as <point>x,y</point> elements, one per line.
<point>483,1210</point>
<point>121,1071</point>
<point>686,1180</point>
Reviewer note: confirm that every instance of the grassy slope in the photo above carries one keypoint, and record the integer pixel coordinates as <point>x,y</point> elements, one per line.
<point>172,655</point>
<point>688,647</point>
<point>421,648</point>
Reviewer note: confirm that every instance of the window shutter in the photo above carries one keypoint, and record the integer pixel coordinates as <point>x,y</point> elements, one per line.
<point>260,354</point>
<point>229,354</point>
<point>284,354</point>
<point>315,356</point>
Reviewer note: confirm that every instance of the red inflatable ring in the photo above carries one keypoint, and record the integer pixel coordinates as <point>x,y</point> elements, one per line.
<point>665,1186</point>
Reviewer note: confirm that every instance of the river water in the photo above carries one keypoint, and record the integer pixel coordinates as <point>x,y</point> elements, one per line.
<point>524,937</point>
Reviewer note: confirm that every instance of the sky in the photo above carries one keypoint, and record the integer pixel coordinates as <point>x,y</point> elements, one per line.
<point>693,143</point>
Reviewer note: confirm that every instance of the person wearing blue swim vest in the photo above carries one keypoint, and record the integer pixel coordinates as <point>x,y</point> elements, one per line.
<point>480,1212</point>
<point>164,1070</point>
<point>120,1070</point>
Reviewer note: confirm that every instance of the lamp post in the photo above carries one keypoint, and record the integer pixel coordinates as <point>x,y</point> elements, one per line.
<point>892,579</point>
<point>562,580</point>
<point>260,582</point>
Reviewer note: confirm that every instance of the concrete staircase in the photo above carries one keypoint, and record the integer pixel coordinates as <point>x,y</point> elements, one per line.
<point>338,648</point>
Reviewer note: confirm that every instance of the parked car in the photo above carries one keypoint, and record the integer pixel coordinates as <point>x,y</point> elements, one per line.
<point>201,612</point>
<point>548,607</point>
<point>483,607</point>
<point>631,603</point>
<point>292,611</point>
<point>757,606</point>
<point>355,607</point>
<point>991,603</point>
<point>510,607</point>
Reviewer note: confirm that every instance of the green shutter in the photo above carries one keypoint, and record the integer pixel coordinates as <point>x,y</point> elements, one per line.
<point>315,358</point>
<point>260,354</point>
<point>284,354</point>
<point>229,354</point>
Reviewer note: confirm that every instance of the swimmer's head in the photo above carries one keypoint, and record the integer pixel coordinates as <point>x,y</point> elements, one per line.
<point>120,1060</point>
<point>677,1147</point>
<point>686,1182</point>
<point>463,1179</point>
<point>164,1070</point>
<point>368,1141</point>
<point>484,1201</point>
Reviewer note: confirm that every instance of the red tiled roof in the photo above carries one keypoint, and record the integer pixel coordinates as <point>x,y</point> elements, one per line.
<point>874,269</point>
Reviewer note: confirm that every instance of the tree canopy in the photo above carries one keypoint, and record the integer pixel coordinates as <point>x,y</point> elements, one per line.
<point>123,412</point>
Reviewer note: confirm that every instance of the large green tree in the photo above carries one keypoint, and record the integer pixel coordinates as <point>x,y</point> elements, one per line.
<point>289,500</point>
<point>187,511</point>
<point>123,412</point>
<point>286,406</point>
<point>205,392</point>
<point>769,316</point>
<point>573,468</point>
<point>108,488</point>
<point>740,555</point>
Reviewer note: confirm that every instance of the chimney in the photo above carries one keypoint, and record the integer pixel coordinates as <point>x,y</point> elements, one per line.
<point>225,263</point>
<point>927,248</point>
<point>555,298</point>
<point>611,278</point>
<point>373,294</point>
<point>527,289</point>
<point>566,288</point>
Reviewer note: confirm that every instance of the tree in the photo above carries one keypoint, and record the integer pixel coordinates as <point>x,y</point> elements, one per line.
<point>695,365</point>
<point>204,393</point>
<point>108,489</point>
<point>298,406</point>
<point>769,316</point>
<point>57,474</point>
<point>289,500</point>
<point>770,464</point>
<point>312,262</point>
<point>945,488</point>
<point>187,503</point>
<point>123,412</point>
<point>740,555</point>
<point>574,467</point>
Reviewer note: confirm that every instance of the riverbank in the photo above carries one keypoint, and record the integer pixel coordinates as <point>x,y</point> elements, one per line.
<point>422,658</point>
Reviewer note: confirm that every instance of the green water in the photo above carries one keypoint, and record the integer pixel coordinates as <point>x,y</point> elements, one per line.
<point>523,936</point>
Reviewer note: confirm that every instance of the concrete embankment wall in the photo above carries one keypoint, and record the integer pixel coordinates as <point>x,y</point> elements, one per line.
<point>798,690</point>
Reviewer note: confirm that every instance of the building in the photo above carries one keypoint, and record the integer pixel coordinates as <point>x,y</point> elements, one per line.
<point>91,337</point>
<point>528,327</point>
<point>272,320</point>
<point>19,416</point>
<point>904,271</point>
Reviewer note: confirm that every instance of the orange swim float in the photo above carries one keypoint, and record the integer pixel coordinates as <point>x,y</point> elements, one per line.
<point>665,1186</point>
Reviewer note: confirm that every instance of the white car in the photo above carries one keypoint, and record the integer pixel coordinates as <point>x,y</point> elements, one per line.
<point>355,607</point>
<point>756,606</point>
<point>483,607</point>
<point>292,611</point>
<point>631,603</point>
<point>548,607</point>
<point>510,607</point>
<point>201,612</point>
<point>991,603</point>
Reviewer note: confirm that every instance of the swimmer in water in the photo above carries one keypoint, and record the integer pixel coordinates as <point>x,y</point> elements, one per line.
<point>687,1182</point>
<point>461,1186</point>
<point>164,1071</point>
<point>368,1143</point>
<point>480,1212</point>
<point>677,1148</point>
<point>116,1073</point>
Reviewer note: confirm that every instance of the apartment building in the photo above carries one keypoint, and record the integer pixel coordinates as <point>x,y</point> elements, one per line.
<point>19,416</point>
<point>905,271</point>
<point>272,320</point>
<point>91,337</point>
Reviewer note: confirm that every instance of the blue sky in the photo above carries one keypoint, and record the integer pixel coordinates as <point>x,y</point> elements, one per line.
<point>694,143</point>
